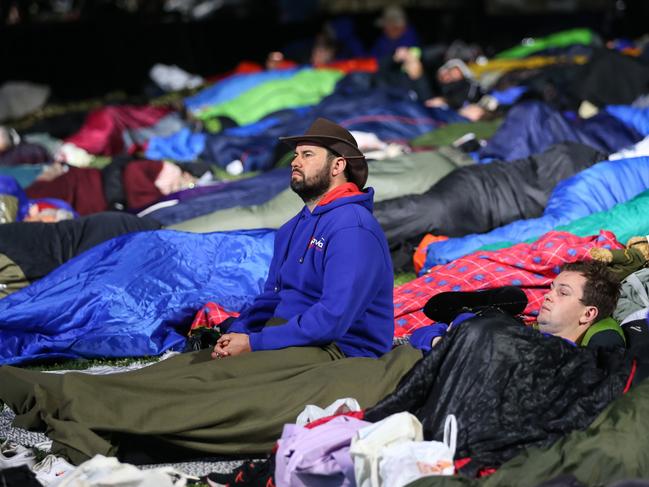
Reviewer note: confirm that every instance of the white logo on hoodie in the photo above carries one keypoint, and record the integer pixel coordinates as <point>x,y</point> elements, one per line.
<point>317,243</point>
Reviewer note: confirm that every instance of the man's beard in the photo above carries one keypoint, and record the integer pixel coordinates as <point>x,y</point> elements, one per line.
<point>310,190</point>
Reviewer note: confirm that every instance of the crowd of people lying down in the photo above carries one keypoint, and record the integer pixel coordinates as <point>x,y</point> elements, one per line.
<point>322,329</point>
<point>132,230</point>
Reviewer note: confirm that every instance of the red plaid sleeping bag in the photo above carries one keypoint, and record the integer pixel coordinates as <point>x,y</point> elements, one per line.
<point>529,266</point>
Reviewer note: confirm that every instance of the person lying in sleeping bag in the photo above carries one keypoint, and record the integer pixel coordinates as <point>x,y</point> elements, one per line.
<point>577,308</point>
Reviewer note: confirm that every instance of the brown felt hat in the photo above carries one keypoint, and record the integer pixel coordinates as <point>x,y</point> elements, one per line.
<point>332,136</point>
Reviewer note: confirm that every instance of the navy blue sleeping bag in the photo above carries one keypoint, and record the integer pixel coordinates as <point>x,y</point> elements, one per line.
<point>533,126</point>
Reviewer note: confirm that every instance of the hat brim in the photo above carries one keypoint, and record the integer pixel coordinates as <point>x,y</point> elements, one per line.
<point>326,141</point>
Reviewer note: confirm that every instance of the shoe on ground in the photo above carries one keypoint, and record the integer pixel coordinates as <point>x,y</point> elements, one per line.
<point>14,455</point>
<point>252,473</point>
<point>444,307</point>
<point>52,470</point>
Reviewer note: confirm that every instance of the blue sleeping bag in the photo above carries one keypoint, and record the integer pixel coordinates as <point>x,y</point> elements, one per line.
<point>134,295</point>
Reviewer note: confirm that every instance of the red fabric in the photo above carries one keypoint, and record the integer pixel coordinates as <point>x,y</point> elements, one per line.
<point>211,315</point>
<point>352,414</point>
<point>45,205</point>
<point>367,65</point>
<point>139,183</point>
<point>243,67</point>
<point>632,51</point>
<point>248,67</point>
<point>529,266</point>
<point>81,188</point>
<point>342,191</point>
<point>485,472</point>
<point>461,462</point>
<point>103,131</point>
<point>629,381</point>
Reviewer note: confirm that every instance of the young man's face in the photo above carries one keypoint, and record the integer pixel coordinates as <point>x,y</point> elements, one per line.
<point>563,313</point>
<point>310,172</point>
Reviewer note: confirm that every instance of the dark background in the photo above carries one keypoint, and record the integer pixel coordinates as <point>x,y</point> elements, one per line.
<point>104,48</point>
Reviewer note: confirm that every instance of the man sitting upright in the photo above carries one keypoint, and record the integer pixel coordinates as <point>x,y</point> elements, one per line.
<point>330,280</point>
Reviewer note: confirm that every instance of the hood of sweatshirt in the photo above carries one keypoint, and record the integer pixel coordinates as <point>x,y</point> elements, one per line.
<point>364,198</point>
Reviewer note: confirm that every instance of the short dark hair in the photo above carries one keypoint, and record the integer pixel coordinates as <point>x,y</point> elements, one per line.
<point>602,288</point>
<point>331,155</point>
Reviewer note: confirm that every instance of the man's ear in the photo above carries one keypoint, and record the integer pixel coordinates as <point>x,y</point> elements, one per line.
<point>338,167</point>
<point>589,316</point>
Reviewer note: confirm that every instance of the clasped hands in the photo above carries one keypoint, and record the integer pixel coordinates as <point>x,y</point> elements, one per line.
<point>230,345</point>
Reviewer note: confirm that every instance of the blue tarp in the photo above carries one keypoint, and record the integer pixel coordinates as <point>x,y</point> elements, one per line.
<point>531,127</point>
<point>134,295</point>
<point>597,188</point>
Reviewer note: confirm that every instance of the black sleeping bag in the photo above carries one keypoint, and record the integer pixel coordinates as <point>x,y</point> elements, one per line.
<point>39,248</point>
<point>481,197</point>
<point>611,78</point>
<point>608,78</point>
<point>509,386</point>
